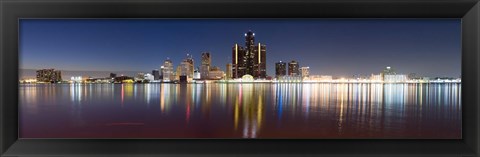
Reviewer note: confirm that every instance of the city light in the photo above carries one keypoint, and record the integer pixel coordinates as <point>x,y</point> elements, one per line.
<point>244,69</point>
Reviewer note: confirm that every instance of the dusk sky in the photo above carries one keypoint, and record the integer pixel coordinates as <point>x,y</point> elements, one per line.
<point>339,47</point>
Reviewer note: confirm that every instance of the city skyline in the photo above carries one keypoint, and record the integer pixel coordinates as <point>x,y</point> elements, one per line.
<point>439,40</point>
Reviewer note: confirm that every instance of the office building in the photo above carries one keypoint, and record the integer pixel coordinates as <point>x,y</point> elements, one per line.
<point>238,61</point>
<point>216,73</point>
<point>186,68</point>
<point>293,68</point>
<point>49,75</point>
<point>178,73</point>
<point>161,72</point>
<point>205,67</point>
<point>388,71</point>
<point>156,74</point>
<point>167,71</point>
<point>191,66</point>
<point>250,59</point>
<point>229,74</point>
<point>280,69</point>
<point>305,71</point>
<point>148,77</point>
<point>196,74</point>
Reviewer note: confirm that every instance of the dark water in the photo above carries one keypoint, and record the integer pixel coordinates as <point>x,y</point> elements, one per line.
<point>240,111</point>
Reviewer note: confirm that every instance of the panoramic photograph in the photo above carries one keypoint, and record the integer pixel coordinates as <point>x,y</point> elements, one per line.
<point>240,78</point>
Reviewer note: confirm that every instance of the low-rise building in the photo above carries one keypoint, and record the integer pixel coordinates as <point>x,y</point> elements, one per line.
<point>395,78</point>
<point>376,78</point>
<point>49,75</point>
<point>216,74</point>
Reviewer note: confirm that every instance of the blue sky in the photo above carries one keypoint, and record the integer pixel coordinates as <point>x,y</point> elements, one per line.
<point>339,47</point>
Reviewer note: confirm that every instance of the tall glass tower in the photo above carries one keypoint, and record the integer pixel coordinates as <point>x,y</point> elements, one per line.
<point>249,60</point>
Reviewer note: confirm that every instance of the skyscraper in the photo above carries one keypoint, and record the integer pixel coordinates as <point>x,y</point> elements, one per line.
<point>162,68</point>
<point>293,68</point>
<point>238,61</point>
<point>280,69</point>
<point>229,71</point>
<point>167,71</point>
<point>260,59</point>
<point>250,59</point>
<point>178,73</point>
<point>205,67</point>
<point>191,67</point>
<point>156,74</point>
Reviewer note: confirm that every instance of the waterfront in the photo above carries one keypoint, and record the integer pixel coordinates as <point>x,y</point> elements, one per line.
<point>220,110</point>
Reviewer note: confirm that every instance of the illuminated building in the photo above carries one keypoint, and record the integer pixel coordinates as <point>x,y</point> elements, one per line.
<point>250,59</point>
<point>247,78</point>
<point>413,76</point>
<point>196,75</point>
<point>156,74</point>
<point>113,75</point>
<point>149,77</point>
<point>394,78</point>
<point>260,66</point>
<point>305,71</point>
<point>376,78</point>
<point>238,61</point>
<point>191,66</point>
<point>205,67</point>
<point>49,75</point>
<point>97,80</point>
<point>318,78</point>
<point>162,69</point>
<point>178,73</point>
<point>76,79</point>
<point>280,69</point>
<point>186,68</point>
<point>326,78</point>
<point>216,73</point>
<point>229,71</point>
<point>28,80</point>
<point>390,76</point>
<point>140,76</point>
<point>293,68</point>
<point>121,79</point>
<point>167,71</point>
<point>388,71</point>
<point>289,79</point>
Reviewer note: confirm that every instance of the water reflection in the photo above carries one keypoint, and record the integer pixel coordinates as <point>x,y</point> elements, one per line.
<point>241,110</point>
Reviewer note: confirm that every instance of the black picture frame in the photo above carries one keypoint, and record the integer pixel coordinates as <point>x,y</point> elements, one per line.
<point>12,10</point>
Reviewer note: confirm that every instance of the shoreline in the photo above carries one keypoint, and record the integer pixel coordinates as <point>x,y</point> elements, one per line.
<point>261,83</point>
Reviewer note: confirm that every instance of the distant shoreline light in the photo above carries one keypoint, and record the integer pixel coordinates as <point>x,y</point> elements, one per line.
<point>239,81</point>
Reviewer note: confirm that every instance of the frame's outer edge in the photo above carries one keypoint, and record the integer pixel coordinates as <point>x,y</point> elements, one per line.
<point>470,59</point>
<point>477,9</point>
<point>477,40</point>
<point>2,149</point>
<point>474,57</point>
